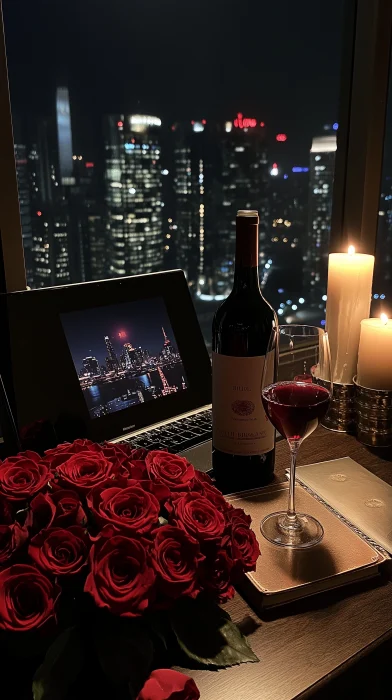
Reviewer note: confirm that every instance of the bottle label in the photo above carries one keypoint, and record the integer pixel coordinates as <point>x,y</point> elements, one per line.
<point>239,423</point>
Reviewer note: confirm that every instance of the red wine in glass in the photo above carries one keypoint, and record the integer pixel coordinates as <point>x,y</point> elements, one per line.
<point>295,408</point>
<point>294,404</point>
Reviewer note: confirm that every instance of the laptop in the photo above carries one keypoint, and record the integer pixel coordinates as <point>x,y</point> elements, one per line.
<point>117,360</point>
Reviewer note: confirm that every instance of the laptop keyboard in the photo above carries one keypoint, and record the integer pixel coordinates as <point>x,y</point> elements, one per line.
<point>176,436</point>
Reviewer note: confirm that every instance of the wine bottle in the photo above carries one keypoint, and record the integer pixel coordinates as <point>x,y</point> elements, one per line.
<point>243,438</point>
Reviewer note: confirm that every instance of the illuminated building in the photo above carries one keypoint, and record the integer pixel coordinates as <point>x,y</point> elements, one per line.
<point>51,260</point>
<point>322,165</point>
<point>195,176</point>
<point>64,136</point>
<point>23,179</point>
<point>91,366</point>
<point>244,181</point>
<point>111,360</point>
<point>133,194</point>
<point>168,350</point>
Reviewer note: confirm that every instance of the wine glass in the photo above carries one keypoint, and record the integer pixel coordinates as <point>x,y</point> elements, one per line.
<point>295,404</point>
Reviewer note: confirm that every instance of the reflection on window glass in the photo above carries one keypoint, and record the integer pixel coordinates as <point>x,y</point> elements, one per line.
<point>382,283</point>
<point>141,127</point>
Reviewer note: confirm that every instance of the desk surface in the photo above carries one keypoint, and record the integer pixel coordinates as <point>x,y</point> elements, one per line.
<point>317,639</point>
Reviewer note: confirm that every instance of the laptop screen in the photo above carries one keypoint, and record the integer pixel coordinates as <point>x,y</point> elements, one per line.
<point>124,355</point>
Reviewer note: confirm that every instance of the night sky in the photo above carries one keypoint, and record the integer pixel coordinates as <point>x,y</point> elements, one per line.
<point>277,60</point>
<point>141,321</point>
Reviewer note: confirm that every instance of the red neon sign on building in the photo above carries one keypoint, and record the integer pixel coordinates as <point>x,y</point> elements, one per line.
<point>244,123</point>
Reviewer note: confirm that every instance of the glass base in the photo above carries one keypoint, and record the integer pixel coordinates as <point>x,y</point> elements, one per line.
<point>298,532</point>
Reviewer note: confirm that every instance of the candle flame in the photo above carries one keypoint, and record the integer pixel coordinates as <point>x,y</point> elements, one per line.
<point>351,250</point>
<point>384,319</point>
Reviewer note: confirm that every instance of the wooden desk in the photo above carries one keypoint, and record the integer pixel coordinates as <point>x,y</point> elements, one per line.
<point>314,650</point>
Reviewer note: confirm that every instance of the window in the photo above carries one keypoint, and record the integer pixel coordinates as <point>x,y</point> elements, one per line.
<point>140,128</point>
<point>382,281</point>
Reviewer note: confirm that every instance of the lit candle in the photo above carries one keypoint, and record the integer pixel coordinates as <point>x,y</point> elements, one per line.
<point>375,353</point>
<point>350,277</point>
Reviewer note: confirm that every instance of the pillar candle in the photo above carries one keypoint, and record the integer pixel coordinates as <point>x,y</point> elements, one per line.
<point>350,277</point>
<point>375,353</point>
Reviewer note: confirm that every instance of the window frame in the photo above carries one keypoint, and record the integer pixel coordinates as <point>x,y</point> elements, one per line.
<point>366,55</point>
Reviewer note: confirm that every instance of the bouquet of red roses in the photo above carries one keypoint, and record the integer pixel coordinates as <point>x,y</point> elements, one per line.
<point>113,548</point>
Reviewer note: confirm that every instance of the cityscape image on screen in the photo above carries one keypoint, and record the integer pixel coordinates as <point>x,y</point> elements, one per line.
<point>124,355</point>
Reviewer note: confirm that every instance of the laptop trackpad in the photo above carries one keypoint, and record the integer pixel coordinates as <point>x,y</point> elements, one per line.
<point>200,456</point>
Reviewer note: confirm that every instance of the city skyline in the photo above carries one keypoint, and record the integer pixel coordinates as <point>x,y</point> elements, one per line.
<point>85,330</point>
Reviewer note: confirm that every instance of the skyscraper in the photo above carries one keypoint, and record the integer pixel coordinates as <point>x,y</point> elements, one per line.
<point>111,359</point>
<point>50,216</point>
<point>322,166</point>
<point>133,193</point>
<point>64,136</point>
<point>91,366</point>
<point>244,181</point>
<point>196,173</point>
<point>23,179</point>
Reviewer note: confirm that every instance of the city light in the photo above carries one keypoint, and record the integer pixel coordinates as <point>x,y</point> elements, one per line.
<point>89,164</point>
<point>120,125</point>
<point>299,169</point>
<point>197,127</point>
<point>280,312</point>
<point>144,120</point>
<point>262,124</point>
<point>375,296</point>
<point>244,123</point>
<point>301,300</point>
<point>39,213</point>
<point>165,172</point>
<point>384,319</point>
<point>281,137</point>
<point>294,307</point>
<point>324,297</point>
<point>274,170</point>
<point>382,296</point>
<point>280,290</point>
<point>228,127</point>
<point>335,126</point>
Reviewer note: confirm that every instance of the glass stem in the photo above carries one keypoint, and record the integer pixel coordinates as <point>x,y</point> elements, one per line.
<point>291,514</point>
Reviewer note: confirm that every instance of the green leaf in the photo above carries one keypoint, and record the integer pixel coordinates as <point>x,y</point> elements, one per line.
<point>207,634</point>
<point>125,651</point>
<point>61,667</point>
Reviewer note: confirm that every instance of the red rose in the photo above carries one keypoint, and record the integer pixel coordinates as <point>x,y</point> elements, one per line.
<point>57,455</point>
<point>121,577</point>
<point>130,509</point>
<point>21,477</point>
<point>84,470</point>
<point>173,471</point>
<point>27,598</point>
<point>176,558</point>
<point>123,455</point>
<point>205,486</point>
<point>60,552</point>
<point>11,538</point>
<point>245,548</point>
<point>74,447</point>
<point>217,578</point>
<point>195,514</point>
<point>166,684</point>
<point>61,508</point>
